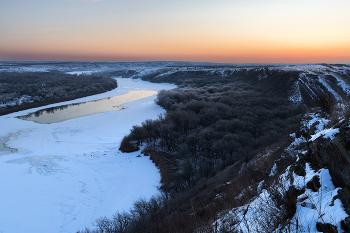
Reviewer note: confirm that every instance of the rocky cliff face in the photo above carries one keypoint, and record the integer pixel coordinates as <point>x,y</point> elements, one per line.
<point>334,155</point>
<point>314,189</point>
<point>310,195</point>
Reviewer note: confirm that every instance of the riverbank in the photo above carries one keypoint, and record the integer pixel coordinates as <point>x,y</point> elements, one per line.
<point>65,175</point>
<point>25,90</point>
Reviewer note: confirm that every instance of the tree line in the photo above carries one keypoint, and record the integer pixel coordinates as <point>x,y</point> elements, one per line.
<point>209,128</point>
<point>25,90</point>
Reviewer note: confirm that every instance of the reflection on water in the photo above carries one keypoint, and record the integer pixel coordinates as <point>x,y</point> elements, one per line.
<point>70,111</point>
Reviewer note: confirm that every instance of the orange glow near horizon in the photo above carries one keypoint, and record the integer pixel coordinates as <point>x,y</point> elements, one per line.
<point>176,51</point>
<point>251,31</point>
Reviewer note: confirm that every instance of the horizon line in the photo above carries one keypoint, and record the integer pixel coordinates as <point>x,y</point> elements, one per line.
<point>150,61</point>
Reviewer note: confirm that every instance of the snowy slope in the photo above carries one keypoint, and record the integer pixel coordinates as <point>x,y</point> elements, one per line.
<point>65,175</point>
<point>312,206</point>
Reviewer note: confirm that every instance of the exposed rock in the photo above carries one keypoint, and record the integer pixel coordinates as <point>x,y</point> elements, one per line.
<point>326,228</point>
<point>335,156</point>
<point>314,184</point>
<point>299,167</point>
<point>345,224</point>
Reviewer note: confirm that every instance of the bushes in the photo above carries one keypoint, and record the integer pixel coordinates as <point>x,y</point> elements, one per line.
<point>167,99</point>
<point>144,216</point>
<point>127,146</point>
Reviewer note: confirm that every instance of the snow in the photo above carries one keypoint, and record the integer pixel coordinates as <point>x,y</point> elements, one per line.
<point>320,123</point>
<point>273,170</point>
<point>28,69</point>
<point>306,82</point>
<point>327,133</point>
<point>173,71</point>
<point>81,72</point>
<point>252,217</point>
<point>309,120</point>
<point>322,206</point>
<point>334,93</point>
<point>318,206</point>
<point>143,72</point>
<point>342,83</point>
<point>295,97</point>
<point>312,207</point>
<point>301,67</point>
<point>61,177</point>
<point>315,118</point>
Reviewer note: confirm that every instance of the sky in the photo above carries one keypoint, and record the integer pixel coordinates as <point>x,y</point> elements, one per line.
<point>225,31</point>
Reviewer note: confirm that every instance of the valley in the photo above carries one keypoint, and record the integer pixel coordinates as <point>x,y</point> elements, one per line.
<point>234,148</point>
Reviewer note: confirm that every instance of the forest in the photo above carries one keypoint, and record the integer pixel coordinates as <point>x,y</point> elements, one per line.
<point>19,91</point>
<point>213,125</point>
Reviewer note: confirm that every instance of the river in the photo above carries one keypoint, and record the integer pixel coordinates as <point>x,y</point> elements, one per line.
<point>62,176</point>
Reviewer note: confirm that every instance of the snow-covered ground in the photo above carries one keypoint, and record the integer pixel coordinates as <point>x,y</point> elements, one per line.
<point>321,206</point>
<point>61,177</point>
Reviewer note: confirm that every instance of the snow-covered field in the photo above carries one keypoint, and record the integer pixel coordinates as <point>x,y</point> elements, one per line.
<point>61,177</point>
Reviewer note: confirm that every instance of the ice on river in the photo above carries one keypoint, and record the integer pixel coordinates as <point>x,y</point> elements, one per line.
<point>61,177</point>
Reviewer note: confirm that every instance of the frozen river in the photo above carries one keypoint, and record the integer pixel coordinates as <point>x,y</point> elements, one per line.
<point>61,177</point>
<point>70,111</point>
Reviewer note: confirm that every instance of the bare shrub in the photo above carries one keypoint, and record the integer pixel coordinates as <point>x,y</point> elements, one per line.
<point>128,146</point>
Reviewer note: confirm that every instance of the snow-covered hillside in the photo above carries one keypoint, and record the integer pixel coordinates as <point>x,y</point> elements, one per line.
<point>61,177</point>
<point>317,200</point>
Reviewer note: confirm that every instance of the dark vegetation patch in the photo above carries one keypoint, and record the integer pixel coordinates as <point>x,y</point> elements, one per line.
<point>128,146</point>
<point>19,91</point>
<point>326,227</point>
<point>206,147</point>
<point>314,184</point>
<point>211,126</point>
